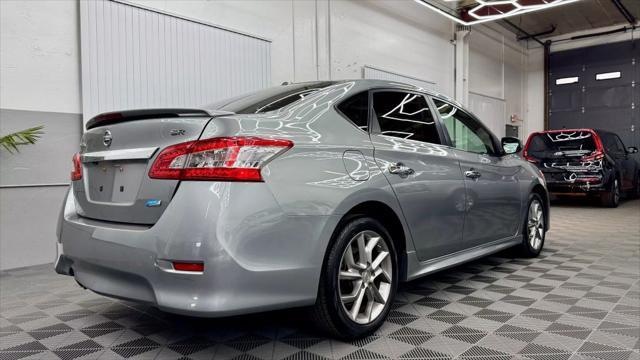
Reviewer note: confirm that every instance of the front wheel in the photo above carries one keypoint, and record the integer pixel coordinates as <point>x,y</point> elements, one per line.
<point>534,231</point>
<point>358,282</point>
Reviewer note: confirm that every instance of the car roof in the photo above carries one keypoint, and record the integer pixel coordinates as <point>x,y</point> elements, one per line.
<point>375,83</point>
<point>597,131</point>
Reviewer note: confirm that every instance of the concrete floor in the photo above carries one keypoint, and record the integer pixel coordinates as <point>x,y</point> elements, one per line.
<point>579,300</point>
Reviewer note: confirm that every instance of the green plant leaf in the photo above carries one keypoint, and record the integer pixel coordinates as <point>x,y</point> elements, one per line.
<point>10,142</point>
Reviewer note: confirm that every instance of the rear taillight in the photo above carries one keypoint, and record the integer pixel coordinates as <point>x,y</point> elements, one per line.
<point>595,155</point>
<point>529,158</point>
<point>222,159</point>
<point>76,173</point>
<point>525,152</point>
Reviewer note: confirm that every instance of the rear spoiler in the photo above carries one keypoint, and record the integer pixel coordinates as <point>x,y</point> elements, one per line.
<point>115,117</point>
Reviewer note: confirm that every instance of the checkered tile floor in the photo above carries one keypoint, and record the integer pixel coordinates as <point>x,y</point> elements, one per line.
<point>579,300</point>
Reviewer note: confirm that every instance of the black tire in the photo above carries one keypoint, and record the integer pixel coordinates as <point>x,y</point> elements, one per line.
<point>329,314</point>
<point>527,249</point>
<point>611,198</point>
<point>635,193</point>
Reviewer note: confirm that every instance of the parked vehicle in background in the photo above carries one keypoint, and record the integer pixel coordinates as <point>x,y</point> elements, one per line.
<point>585,161</point>
<point>321,194</point>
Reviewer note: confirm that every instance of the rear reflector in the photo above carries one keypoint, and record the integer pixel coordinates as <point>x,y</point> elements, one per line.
<point>187,266</point>
<point>222,159</point>
<point>76,173</point>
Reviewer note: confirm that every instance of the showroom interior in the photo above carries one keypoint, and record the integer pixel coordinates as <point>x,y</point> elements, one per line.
<point>524,68</point>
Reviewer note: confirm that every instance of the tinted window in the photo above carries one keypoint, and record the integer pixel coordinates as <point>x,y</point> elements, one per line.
<point>465,132</point>
<point>558,144</point>
<point>268,99</point>
<point>620,145</point>
<point>356,109</point>
<point>405,115</point>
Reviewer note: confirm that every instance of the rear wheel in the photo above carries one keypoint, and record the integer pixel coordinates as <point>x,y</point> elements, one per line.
<point>611,198</point>
<point>533,233</point>
<point>358,282</point>
<point>635,193</point>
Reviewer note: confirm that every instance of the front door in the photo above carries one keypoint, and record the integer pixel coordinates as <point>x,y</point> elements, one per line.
<point>493,191</point>
<point>423,173</point>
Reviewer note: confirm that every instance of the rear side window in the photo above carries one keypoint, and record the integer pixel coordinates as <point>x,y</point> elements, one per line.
<point>556,144</point>
<point>356,109</point>
<point>405,115</point>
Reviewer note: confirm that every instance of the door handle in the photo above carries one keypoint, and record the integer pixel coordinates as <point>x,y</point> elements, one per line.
<point>400,169</point>
<point>472,174</point>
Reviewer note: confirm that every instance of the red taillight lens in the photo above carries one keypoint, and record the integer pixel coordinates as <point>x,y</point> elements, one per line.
<point>595,155</point>
<point>187,266</point>
<point>223,159</point>
<point>530,158</point>
<point>76,173</point>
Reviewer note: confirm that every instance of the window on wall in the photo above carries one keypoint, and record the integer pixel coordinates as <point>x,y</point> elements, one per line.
<point>567,80</point>
<point>405,115</point>
<point>609,75</point>
<point>356,109</point>
<point>465,132</point>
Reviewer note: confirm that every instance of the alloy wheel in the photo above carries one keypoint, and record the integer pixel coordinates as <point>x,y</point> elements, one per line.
<point>616,191</point>
<point>365,277</point>
<point>535,224</point>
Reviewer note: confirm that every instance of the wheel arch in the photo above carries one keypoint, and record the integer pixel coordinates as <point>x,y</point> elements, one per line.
<point>384,214</point>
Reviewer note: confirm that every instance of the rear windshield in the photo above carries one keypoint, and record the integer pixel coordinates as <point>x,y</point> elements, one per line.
<point>549,145</point>
<point>268,99</point>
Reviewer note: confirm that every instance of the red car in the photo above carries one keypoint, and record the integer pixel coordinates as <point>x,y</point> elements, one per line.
<point>585,161</point>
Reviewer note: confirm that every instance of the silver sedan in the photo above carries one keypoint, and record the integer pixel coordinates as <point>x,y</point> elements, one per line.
<point>320,194</point>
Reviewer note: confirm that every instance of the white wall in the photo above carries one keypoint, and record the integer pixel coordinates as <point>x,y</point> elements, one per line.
<point>534,99</point>
<point>39,56</point>
<point>497,78</point>
<point>396,36</point>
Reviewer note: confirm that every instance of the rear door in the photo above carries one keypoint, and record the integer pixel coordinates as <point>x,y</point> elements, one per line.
<point>116,158</point>
<point>624,164</point>
<point>423,173</point>
<point>493,190</point>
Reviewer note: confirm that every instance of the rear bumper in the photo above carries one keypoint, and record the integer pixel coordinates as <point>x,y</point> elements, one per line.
<point>256,257</point>
<point>577,182</point>
<point>576,188</point>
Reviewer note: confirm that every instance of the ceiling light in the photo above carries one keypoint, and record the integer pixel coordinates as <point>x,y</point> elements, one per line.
<point>490,10</point>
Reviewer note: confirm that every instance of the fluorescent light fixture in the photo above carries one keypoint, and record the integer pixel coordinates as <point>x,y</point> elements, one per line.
<point>518,9</point>
<point>568,80</point>
<point>609,75</point>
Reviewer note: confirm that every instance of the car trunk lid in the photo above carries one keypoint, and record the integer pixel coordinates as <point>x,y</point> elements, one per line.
<point>116,155</point>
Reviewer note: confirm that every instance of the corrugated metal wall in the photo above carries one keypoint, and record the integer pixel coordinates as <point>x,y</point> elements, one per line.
<point>370,72</point>
<point>136,58</point>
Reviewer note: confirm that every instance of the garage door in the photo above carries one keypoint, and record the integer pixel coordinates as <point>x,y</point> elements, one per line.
<point>134,57</point>
<point>596,87</point>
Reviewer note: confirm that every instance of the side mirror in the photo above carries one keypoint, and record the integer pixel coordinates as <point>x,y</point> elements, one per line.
<point>511,145</point>
<point>632,149</point>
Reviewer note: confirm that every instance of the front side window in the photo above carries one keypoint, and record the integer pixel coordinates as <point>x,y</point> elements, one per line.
<point>356,109</point>
<point>465,132</point>
<point>405,115</point>
<point>620,145</point>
